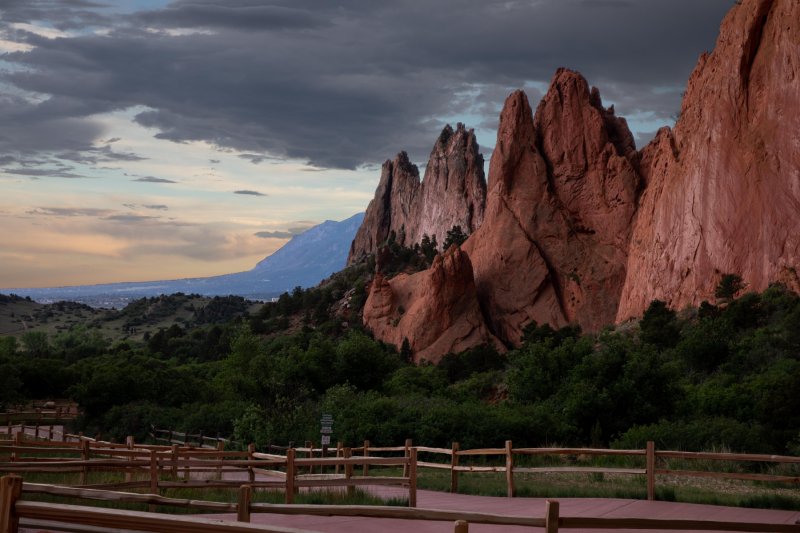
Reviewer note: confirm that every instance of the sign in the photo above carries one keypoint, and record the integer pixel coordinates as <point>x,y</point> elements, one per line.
<point>327,428</point>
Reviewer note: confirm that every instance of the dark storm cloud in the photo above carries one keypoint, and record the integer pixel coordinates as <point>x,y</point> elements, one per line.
<point>43,173</point>
<point>342,84</point>
<point>253,16</point>
<point>153,179</point>
<point>249,193</point>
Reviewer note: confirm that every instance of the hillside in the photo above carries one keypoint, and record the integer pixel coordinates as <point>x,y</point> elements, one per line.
<point>138,320</point>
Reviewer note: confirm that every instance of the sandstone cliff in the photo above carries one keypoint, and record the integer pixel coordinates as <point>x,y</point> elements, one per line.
<point>723,187</point>
<point>452,193</point>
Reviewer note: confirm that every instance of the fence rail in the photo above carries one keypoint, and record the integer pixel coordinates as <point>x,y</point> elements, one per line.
<point>16,512</point>
<point>168,467</point>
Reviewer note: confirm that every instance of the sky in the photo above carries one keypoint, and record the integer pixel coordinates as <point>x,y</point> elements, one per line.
<point>153,139</point>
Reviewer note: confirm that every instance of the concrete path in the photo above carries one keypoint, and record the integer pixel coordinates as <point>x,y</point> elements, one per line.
<point>577,507</point>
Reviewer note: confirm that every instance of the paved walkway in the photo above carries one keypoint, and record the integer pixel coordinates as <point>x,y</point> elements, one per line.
<point>577,507</point>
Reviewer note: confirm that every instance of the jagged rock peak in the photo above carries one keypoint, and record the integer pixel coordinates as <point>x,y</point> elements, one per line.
<point>453,193</point>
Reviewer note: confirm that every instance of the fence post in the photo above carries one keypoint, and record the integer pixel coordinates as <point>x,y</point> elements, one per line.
<point>551,517</point>
<point>406,454</point>
<point>412,477</point>
<point>129,471</point>
<point>651,470</point>
<point>510,469</point>
<point>251,448</point>
<point>85,453</point>
<point>220,448</point>
<point>50,433</point>
<point>243,509</point>
<point>453,471</point>
<point>10,490</point>
<point>17,442</point>
<point>348,471</point>
<point>174,462</point>
<point>461,526</point>
<point>338,454</point>
<point>290,475</point>
<point>310,446</point>
<point>153,478</point>
<point>366,454</point>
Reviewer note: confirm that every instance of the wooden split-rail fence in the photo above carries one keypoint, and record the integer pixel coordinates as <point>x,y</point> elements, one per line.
<point>16,512</point>
<point>652,462</point>
<point>54,412</point>
<point>158,467</point>
<point>154,468</point>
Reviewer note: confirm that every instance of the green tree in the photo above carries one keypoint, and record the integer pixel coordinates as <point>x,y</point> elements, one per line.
<point>659,325</point>
<point>729,285</point>
<point>455,235</point>
<point>428,247</point>
<point>36,343</point>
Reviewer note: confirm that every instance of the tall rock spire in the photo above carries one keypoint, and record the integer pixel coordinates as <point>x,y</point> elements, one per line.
<point>453,193</point>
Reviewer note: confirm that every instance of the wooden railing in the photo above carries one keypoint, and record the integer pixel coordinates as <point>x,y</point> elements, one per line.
<point>650,458</point>
<point>16,512</point>
<point>168,436</point>
<point>41,415</point>
<point>157,467</point>
<point>312,466</point>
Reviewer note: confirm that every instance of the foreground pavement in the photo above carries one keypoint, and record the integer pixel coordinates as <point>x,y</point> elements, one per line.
<point>535,507</point>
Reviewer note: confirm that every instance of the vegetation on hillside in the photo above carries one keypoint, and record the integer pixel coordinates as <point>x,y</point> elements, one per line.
<point>710,377</point>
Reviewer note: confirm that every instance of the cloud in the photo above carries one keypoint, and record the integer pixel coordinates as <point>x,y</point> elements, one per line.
<point>157,207</point>
<point>43,172</point>
<point>129,218</point>
<point>249,193</point>
<point>70,212</point>
<point>153,179</point>
<point>274,234</point>
<point>297,78</point>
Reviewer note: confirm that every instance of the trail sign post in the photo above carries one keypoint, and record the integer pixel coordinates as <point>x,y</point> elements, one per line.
<point>326,429</point>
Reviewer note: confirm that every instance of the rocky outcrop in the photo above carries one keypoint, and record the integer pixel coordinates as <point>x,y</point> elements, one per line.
<point>723,187</point>
<point>581,228</point>
<point>453,193</point>
<point>563,188</point>
<point>553,244</point>
<point>436,310</point>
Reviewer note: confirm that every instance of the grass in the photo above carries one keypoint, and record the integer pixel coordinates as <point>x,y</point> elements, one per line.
<point>733,493</point>
<point>260,495</point>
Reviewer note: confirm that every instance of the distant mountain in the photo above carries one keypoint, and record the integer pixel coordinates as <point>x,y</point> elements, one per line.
<point>304,261</point>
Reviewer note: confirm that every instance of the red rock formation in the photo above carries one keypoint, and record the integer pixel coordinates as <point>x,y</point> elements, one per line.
<point>436,310</point>
<point>562,196</point>
<point>453,193</point>
<point>723,187</point>
<point>565,239</point>
<point>389,210</point>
